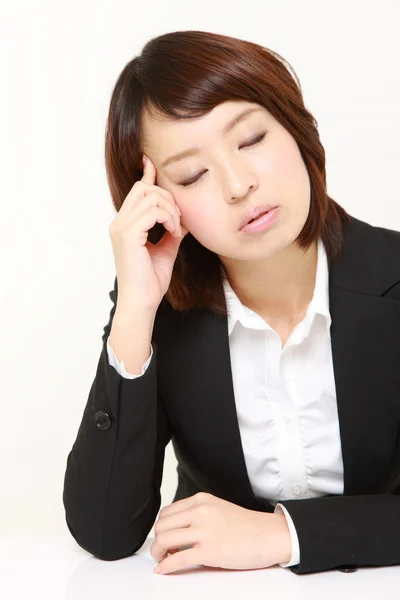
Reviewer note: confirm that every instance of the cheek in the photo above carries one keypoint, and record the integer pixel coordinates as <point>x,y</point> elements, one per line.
<point>203,221</point>
<point>197,219</point>
<point>284,167</point>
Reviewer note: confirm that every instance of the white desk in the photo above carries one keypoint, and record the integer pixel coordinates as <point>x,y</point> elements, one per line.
<point>57,569</point>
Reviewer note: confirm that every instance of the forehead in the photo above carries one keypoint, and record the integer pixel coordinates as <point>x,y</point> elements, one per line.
<point>156,127</point>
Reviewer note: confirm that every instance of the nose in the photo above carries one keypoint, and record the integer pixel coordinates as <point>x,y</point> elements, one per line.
<point>238,182</point>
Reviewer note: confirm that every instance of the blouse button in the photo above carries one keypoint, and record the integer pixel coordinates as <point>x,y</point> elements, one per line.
<point>297,489</point>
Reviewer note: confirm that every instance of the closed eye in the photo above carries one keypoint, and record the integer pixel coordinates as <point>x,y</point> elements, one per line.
<point>253,142</point>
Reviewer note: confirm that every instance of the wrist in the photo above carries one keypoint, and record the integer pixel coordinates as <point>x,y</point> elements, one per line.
<point>284,546</point>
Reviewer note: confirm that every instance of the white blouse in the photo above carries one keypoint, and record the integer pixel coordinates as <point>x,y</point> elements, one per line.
<point>285,401</point>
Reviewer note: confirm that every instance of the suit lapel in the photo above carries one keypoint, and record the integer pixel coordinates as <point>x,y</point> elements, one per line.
<point>206,403</point>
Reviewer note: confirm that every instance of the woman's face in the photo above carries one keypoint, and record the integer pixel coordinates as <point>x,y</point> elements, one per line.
<point>230,178</point>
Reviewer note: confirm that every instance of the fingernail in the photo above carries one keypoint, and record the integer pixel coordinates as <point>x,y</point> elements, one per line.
<point>178,209</point>
<point>157,570</point>
<point>144,158</point>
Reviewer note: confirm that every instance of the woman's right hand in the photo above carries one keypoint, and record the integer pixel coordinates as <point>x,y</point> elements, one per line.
<point>144,269</point>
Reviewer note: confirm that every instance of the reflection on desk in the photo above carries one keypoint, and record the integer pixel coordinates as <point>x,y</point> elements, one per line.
<point>57,568</point>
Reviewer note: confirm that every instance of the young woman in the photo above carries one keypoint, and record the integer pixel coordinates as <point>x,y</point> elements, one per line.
<point>254,322</point>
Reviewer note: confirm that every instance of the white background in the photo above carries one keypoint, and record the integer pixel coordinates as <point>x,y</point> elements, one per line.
<point>59,63</point>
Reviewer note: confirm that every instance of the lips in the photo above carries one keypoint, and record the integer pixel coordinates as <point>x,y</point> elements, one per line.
<point>257,217</point>
<point>254,213</point>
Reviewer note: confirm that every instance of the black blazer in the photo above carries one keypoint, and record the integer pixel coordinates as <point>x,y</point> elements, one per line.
<point>114,471</point>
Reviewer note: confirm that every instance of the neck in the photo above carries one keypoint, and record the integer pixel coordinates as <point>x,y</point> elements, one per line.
<point>281,285</point>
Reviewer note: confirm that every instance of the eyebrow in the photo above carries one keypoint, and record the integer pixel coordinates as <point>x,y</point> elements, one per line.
<point>192,151</point>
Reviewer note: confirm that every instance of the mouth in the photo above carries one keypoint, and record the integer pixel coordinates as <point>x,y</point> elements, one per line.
<point>255,213</point>
<point>255,218</point>
<point>262,222</point>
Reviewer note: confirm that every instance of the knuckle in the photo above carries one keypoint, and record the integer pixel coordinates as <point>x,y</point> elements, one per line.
<point>203,510</point>
<point>138,184</point>
<point>162,539</point>
<point>202,496</point>
<point>162,193</point>
<point>150,200</point>
<point>157,528</point>
<point>139,188</point>
<point>153,198</point>
<point>170,196</point>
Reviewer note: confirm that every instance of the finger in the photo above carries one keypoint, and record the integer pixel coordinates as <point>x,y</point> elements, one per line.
<point>155,199</point>
<point>148,188</point>
<point>157,215</point>
<point>149,171</point>
<point>145,187</point>
<point>177,520</point>
<point>180,560</point>
<point>185,503</point>
<point>177,506</point>
<point>171,551</point>
<point>139,192</point>
<point>165,542</point>
<point>149,178</point>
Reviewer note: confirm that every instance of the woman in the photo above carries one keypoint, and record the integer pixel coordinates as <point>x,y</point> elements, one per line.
<point>268,352</point>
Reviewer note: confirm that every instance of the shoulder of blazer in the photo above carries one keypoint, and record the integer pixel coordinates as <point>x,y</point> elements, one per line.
<point>370,260</point>
<point>393,240</point>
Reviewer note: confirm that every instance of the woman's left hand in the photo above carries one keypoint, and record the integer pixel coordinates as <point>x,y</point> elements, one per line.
<point>219,534</point>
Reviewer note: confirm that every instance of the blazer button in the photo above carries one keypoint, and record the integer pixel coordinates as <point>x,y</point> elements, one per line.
<point>348,569</point>
<point>102,419</point>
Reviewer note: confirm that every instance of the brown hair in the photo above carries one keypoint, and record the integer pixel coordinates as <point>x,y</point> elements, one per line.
<point>185,74</point>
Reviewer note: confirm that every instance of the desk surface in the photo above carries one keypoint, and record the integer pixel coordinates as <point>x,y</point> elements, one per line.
<point>57,568</point>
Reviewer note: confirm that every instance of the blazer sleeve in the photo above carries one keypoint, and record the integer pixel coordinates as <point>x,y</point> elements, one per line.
<point>114,470</point>
<point>348,531</point>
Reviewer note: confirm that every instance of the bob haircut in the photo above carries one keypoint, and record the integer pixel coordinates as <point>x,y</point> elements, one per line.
<point>185,74</point>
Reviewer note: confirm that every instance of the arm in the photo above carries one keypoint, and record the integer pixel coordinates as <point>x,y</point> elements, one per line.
<point>114,470</point>
<point>338,531</point>
<point>341,531</point>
